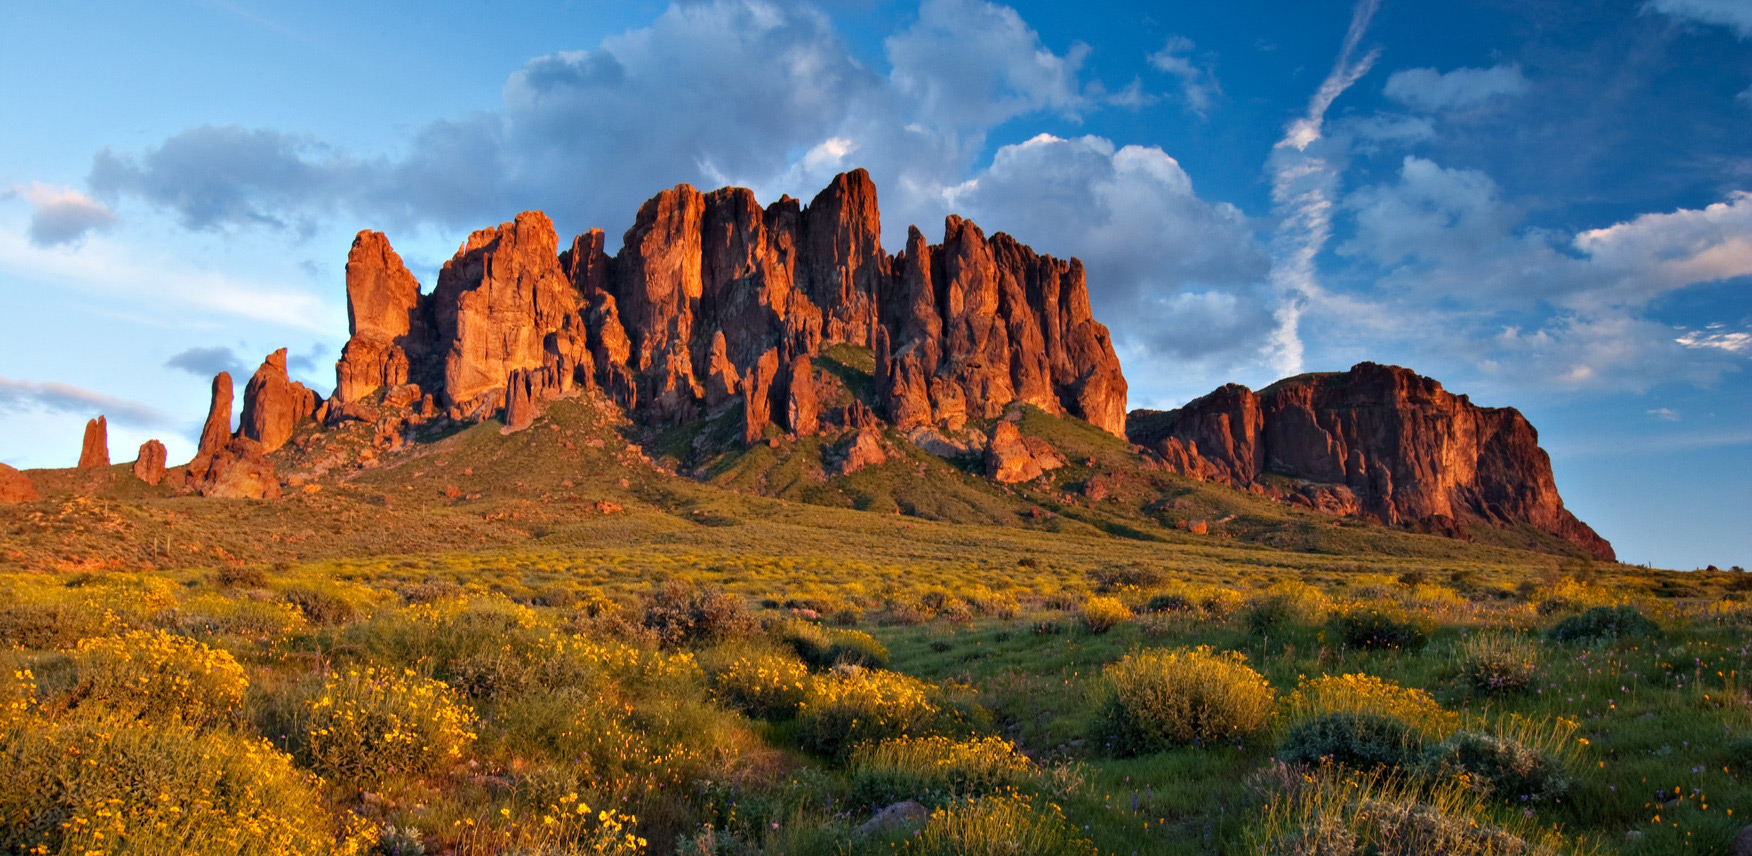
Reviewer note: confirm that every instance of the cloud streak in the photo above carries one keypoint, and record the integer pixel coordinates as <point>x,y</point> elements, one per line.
<point>25,396</point>
<point>1304,183</point>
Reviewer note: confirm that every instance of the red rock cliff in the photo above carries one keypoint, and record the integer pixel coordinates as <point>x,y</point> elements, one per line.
<point>1377,440</point>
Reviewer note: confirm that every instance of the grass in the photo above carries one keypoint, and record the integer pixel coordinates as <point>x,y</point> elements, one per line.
<point>719,659</point>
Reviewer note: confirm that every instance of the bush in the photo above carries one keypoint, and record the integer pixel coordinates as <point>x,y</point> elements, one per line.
<point>851,705</point>
<point>682,614</point>
<point>1366,694</point>
<point>1380,627</point>
<point>241,577</point>
<point>763,684</point>
<point>1359,740</point>
<point>999,825</point>
<point>323,604</point>
<point>1102,613</point>
<point>219,615</point>
<point>150,673</point>
<point>1174,602</point>
<point>1604,624</point>
<point>134,788</point>
<point>1369,815</point>
<point>1163,698</point>
<point>54,624</point>
<point>824,647</point>
<point>1498,664</point>
<point>1284,605</point>
<point>368,724</point>
<point>1497,766</point>
<point>935,770</point>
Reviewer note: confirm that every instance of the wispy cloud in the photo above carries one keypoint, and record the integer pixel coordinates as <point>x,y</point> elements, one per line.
<point>1430,90</point>
<point>1733,14</point>
<point>23,395</point>
<point>104,267</point>
<point>1717,336</point>
<point>1198,85</point>
<point>1304,184</point>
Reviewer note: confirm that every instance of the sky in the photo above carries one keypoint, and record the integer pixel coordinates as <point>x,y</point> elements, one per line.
<point>1544,204</point>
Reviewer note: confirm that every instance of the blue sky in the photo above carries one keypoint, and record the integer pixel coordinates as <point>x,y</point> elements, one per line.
<point>1546,205</point>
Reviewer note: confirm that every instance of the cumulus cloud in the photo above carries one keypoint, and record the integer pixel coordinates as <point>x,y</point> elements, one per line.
<point>587,135</point>
<point>1173,274</point>
<point>1736,15</point>
<point>1198,85</point>
<point>207,362</point>
<point>20,396</point>
<point>1718,337</point>
<point>1430,90</point>
<point>62,215</point>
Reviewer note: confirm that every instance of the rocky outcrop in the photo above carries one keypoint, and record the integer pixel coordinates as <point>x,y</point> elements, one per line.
<point>1012,458</point>
<point>274,405</point>
<point>1379,441</point>
<point>238,470</point>
<point>94,452</point>
<point>16,486</point>
<point>149,463</point>
<point>216,432</point>
<point>385,321</point>
<point>797,389</point>
<point>706,285</point>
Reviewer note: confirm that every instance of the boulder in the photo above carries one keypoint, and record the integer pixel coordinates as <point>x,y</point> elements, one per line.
<point>94,452</point>
<point>1742,843</point>
<point>904,816</point>
<point>863,449</point>
<point>797,388</point>
<point>239,470</point>
<point>1012,458</point>
<point>149,463</point>
<point>274,405</point>
<point>15,486</point>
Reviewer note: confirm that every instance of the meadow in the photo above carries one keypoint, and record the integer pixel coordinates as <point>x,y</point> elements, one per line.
<point>728,686</point>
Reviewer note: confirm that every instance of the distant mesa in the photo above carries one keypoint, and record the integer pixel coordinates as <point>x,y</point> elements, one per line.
<point>1377,441</point>
<point>718,308</point>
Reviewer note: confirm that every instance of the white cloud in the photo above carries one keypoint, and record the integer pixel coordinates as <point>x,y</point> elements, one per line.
<point>62,215</point>
<point>1171,273</point>
<point>1657,253</point>
<point>1198,85</point>
<point>1733,14</point>
<point>1718,337</point>
<point>1665,414</point>
<point>1430,90</point>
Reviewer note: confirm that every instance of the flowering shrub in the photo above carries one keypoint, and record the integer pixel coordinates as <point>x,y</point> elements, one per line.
<point>567,825</point>
<point>935,769</point>
<point>1102,613</point>
<point>1381,815</point>
<point>1497,766</point>
<point>851,705</point>
<point>763,684</point>
<point>998,825</point>
<point>18,690</point>
<point>125,787</point>
<point>369,723</point>
<point>1190,696</point>
<point>1285,604</point>
<point>153,673</point>
<point>1358,693</point>
<point>1604,624</point>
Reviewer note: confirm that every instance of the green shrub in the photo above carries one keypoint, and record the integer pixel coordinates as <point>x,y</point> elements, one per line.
<point>1604,624</point>
<point>1498,664</point>
<point>323,604</point>
<point>1358,740</point>
<point>1367,694</point>
<point>126,787</point>
<point>1384,815</point>
<point>682,614</point>
<point>1102,613</point>
<point>1174,602</point>
<point>1382,627</point>
<point>824,647</point>
<point>241,576</point>
<point>54,624</point>
<point>935,770</point>
<point>150,673</point>
<point>1163,698</point>
<point>851,705</point>
<point>368,724</point>
<point>1497,766</point>
<point>1284,605</point>
<point>999,825</point>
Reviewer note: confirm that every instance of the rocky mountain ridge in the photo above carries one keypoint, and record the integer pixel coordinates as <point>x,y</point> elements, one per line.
<point>716,308</point>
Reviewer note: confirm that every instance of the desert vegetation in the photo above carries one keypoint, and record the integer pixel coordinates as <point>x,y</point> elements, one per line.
<point>614,701</point>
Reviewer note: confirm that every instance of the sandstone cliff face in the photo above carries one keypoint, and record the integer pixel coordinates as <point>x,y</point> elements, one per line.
<point>706,285</point>
<point>1377,440</point>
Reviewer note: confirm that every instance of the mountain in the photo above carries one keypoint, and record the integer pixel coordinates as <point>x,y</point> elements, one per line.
<point>782,350</point>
